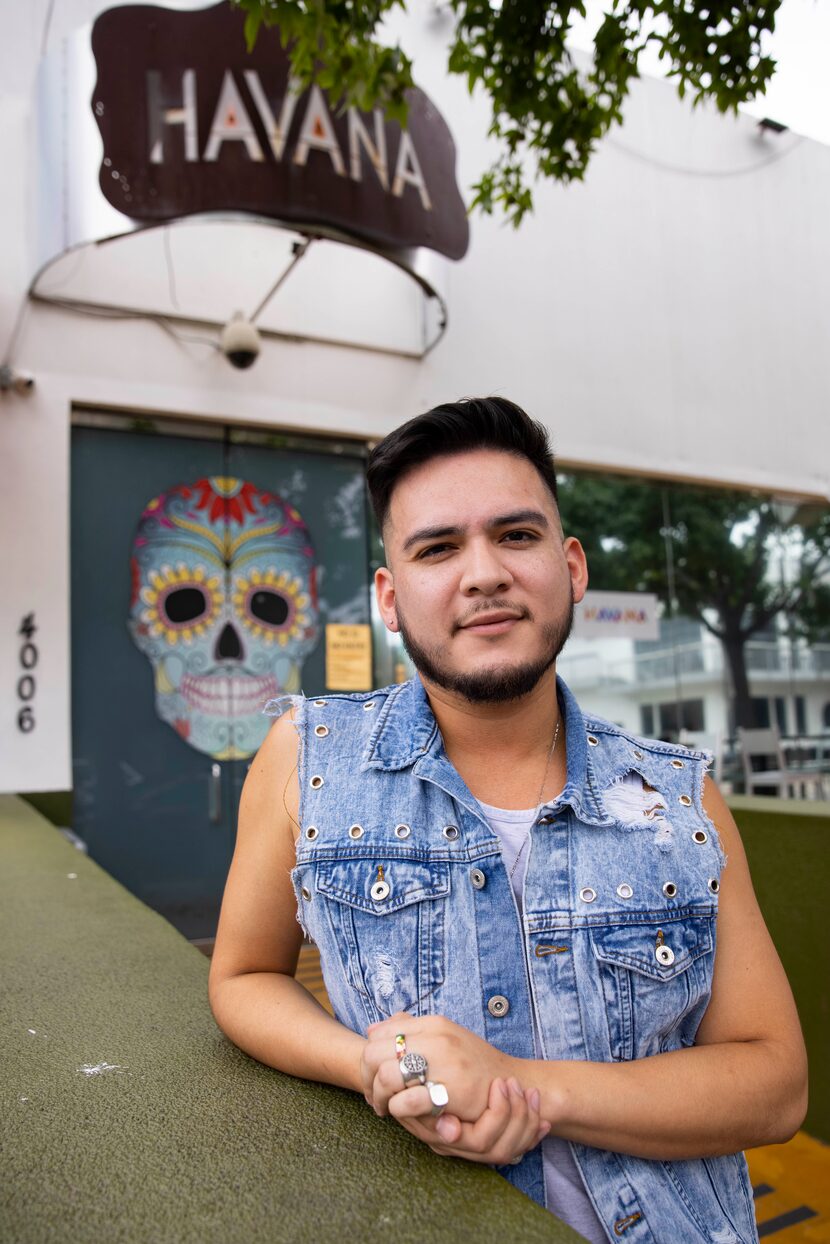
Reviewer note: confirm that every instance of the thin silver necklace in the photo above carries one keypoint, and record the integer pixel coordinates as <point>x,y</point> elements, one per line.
<point>539,800</point>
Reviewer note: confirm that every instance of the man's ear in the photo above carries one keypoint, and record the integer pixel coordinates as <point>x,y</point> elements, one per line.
<point>385,594</point>
<point>578,567</point>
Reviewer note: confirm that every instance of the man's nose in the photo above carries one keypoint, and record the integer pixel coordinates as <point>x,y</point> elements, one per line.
<point>484,571</point>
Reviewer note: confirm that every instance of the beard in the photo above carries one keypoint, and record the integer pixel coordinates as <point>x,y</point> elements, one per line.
<point>498,684</point>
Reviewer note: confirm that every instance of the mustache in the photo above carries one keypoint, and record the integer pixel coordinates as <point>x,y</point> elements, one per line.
<point>492,606</point>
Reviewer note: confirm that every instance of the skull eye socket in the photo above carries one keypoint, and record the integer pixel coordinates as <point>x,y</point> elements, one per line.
<point>185,604</point>
<point>269,607</point>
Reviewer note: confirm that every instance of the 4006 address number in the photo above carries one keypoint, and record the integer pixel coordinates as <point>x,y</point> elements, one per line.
<point>26,683</point>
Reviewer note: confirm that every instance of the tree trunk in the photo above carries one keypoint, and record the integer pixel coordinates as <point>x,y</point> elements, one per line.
<point>733,647</point>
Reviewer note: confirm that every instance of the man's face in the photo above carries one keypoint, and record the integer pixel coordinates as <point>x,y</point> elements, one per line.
<point>479,580</point>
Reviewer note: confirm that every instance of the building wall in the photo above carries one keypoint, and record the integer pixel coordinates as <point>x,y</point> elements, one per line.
<point>667,316</point>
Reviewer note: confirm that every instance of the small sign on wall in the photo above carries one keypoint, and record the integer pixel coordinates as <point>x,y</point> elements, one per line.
<point>617,615</point>
<point>348,657</point>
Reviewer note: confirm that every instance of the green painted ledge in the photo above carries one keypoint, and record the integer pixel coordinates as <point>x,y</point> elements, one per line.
<point>787,843</point>
<point>184,1140</point>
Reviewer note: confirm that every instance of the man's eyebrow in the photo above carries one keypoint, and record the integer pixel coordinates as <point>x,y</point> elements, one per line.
<point>519,516</point>
<point>499,520</point>
<point>431,533</point>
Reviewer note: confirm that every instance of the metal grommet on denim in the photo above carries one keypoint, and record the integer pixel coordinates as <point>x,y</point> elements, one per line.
<point>478,879</point>
<point>498,1006</point>
<point>625,890</point>
<point>700,836</point>
<point>587,894</point>
<point>686,800</point>
<point>311,832</point>
<point>402,831</point>
<point>321,731</point>
<point>355,831</point>
<point>670,889</point>
<point>315,782</point>
<point>450,832</point>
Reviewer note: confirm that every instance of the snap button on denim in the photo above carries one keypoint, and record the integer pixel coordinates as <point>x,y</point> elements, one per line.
<point>478,879</point>
<point>380,890</point>
<point>498,1006</point>
<point>664,955</point>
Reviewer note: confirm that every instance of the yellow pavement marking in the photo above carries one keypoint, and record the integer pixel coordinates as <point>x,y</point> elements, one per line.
<point>798,1175</point>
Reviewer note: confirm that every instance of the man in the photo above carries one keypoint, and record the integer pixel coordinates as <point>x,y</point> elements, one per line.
<point>526,898</point>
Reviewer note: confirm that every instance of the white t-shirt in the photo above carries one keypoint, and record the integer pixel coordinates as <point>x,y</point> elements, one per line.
<point>564,1189</point>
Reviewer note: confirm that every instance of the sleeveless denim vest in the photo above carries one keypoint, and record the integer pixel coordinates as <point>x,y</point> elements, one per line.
<point>400,882</point>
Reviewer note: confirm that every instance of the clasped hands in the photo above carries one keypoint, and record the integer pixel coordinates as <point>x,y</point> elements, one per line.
<point>490,1117</point>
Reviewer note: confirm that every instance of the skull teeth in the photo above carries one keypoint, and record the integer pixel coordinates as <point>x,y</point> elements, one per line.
<point>220,695</point>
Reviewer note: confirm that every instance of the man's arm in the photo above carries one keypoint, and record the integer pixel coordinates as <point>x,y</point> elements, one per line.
<point>744,1083</point>
<point>255,999</point>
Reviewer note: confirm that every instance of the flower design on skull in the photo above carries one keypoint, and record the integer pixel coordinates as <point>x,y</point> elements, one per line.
<point>224,605</point>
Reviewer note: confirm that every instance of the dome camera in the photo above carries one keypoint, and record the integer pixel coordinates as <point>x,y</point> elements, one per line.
<point>18,382</point>
<point>240,342</point>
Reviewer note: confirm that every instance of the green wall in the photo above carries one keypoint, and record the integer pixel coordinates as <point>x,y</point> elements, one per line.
<point>128,1117</point>
<point>788,847</point>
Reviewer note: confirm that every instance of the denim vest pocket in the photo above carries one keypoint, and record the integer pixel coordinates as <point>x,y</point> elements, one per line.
<point>653,975</point>
<point>387,920</point>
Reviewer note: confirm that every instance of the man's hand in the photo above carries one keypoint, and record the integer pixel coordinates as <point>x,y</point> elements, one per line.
<point>456,1057</point>
<point>507,1129</point>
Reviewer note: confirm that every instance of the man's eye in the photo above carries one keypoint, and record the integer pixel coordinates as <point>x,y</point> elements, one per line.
<point>519,537</point>
<point>433,549</point>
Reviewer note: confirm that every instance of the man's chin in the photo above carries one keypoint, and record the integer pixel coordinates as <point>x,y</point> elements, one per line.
<point>489,685</point>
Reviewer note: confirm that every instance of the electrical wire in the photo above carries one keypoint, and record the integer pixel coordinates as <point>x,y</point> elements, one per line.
<point>666,167</point>
<point>46,25</point>
<point>112,313</point>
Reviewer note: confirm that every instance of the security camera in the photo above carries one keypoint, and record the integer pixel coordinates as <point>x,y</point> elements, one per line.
<point>240,341</point>
<point>17,382</point>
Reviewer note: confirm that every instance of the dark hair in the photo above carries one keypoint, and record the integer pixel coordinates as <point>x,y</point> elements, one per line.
<point>455,428</point>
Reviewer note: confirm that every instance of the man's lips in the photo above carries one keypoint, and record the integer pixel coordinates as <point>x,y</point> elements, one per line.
<point>492,622</point>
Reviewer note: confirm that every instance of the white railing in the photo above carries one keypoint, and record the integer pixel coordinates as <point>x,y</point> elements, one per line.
<point>696,662</point>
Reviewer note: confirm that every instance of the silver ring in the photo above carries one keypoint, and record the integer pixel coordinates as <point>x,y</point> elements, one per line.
<point>413,1069</point>
<point>438,1095</point>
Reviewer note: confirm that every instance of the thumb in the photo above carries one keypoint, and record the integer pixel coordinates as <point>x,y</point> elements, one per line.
<point>448,1128</point>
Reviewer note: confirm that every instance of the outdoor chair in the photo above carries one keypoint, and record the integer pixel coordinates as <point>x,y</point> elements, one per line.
<point>780,777</point>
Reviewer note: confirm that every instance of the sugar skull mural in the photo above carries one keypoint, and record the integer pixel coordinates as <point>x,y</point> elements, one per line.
<point>224,606</point>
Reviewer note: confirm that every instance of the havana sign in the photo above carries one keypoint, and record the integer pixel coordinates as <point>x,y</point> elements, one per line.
<point>191,123</point>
